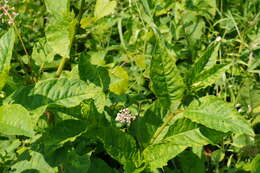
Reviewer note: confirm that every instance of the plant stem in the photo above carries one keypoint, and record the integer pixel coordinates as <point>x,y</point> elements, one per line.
<point>61,66</point>
<point>119,26</point>
<point>166,122</point>
<point>21,40</point>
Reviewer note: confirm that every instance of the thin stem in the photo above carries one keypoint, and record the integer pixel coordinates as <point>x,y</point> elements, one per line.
<point>166,122</point>
<point>61,66</point>
<point>119,26</point>
<point>21,40</point>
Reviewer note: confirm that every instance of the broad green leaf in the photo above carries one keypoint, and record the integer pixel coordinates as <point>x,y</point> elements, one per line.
<point>210,76</point>
<point>59,34</point>
<point>216,114</point>
<point>64,92</point>
<point>70,160</point>
<point>167,83</point>
<point>206,7</point>
<point>194,26</point>
<point>37,162</point>
<point>61,133</point>
<point>203,63</point>
<point>56,8</point>
<point>119,145</point>
<point>255,164</point>
<point>93,73</point>
<point>15,120</point>
<point>186,158</point>
<point>157,155</point>
<point>60,29</point>
<point>181,125</point>
<point>217,156</point>
<point>144,128</point>
<point>8,149</point>
<point>76,163</point>
<point>119,80</point>
<point>6,49</point>
<point>42,53</point>
<point>206,71</point>
<point>98,165</point>
<point>185,124</point>
<point>104,8</point>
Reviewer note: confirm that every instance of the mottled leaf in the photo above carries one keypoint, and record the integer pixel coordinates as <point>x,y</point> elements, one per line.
<point>167,83</point>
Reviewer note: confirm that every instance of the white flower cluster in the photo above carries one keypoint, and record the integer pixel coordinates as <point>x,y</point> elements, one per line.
<point>124,116</point>
<point>7,13</point>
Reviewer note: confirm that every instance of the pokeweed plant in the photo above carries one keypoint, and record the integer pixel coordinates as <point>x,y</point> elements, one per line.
<point>128,86</point>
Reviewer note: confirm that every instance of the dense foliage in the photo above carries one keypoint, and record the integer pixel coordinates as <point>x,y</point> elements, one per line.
<point>129,86</point>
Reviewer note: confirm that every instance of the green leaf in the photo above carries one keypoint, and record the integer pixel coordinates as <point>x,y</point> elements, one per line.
<point>217,156</point>
<point>98,165</point>
<point>61,133</point>
<point>64,92</point>
<point>15,120</point>
<point>157,155</point>
<point>104,8</point>
<point>93,73</point>
<point>119,145</point>
<point>60,29</point>
<point>59,34</point>
<point>181,125</point>
<point>186,158</point>
<point>36,162</point>
<point>119,80</point>
<point>6,49</point>
<point>205,62</point>
<point>216,114</point>
<point>210,76</point>
<point>56,8</point>
<point>167,83</point>
<point>193,26</point>
<point>42,53</point>
<point>144,128</point>
<point>255,164</point>
<point>70,161</point>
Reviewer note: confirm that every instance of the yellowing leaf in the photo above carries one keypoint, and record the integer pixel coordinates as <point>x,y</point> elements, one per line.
<point>119,80</point>
<point>104,8</point>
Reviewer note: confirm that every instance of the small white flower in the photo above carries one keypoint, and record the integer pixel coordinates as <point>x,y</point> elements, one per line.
<point>218,39</point>
<point>237,105</point>
<point>240,110</point>
<point>124,116</point>
<point>249,108</point>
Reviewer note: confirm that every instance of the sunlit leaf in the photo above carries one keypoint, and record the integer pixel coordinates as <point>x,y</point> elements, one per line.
<point>157,155</point>
<point>6,49</point>
<point>37,162</point>
<point>104,8</point>
<point>216,114</point>
<point>119,80</point>
<point>15,120</point>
